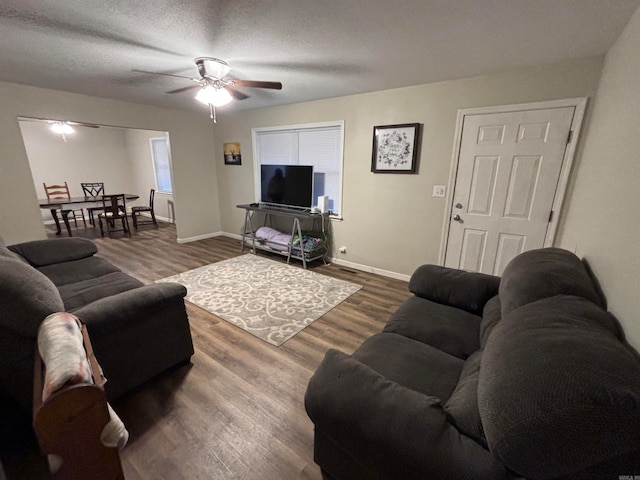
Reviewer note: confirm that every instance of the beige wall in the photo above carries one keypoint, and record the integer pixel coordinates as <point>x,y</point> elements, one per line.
<point>141,162</point>
<point>391,222</point>
<point>192,144</point>
<point>600,223</point>
<point>88,155</point>
<point>119,157</point>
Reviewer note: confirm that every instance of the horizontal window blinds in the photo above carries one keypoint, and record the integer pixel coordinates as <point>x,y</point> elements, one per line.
<point>317,146</point>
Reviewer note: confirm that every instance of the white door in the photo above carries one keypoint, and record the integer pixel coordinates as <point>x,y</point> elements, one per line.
<point>508,171</point>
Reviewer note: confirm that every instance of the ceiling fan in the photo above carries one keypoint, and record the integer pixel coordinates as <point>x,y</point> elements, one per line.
<point>215,89</point>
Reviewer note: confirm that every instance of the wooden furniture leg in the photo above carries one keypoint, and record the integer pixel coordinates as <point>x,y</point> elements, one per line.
<point>54,214</point>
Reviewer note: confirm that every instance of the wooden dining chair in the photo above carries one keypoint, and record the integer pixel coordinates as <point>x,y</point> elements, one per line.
<point>135,211</point>
<point>61,192</point>
<point>92,189</point>
<point>114,207</point>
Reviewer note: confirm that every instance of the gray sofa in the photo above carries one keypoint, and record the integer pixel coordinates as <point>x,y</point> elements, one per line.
<point>480,377</point>
<point>137,331</point>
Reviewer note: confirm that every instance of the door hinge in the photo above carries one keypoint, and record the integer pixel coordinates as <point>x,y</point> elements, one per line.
<point>569,136</point>
<point>550,216</point>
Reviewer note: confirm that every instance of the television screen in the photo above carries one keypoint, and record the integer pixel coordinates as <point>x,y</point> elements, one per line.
<point>287,185</point>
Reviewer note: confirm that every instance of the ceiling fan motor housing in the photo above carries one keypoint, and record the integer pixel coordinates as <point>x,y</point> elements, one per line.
<point>212,67</point>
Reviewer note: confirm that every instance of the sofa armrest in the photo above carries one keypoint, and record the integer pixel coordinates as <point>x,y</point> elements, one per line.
<point>40,253</point>
<point>457,288</point>
<point>393,429</point>
<point>114,313</point>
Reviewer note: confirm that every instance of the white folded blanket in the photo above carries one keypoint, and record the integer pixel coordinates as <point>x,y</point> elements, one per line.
<point>273,238</point>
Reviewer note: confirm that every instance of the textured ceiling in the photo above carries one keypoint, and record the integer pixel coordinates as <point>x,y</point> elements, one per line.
<point>316,48</point>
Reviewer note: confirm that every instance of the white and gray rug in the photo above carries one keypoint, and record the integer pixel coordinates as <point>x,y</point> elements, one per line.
<point>269,299</point>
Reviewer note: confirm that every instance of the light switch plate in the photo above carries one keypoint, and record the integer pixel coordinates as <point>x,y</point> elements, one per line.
<point>439,191</point>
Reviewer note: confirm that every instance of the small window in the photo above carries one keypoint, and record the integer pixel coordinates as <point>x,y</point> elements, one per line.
<point>161,164</point>
<point>319,145</point>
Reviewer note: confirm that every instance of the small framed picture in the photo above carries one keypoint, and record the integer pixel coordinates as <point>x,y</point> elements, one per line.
<point>395,148</point>
<point>232,155</point>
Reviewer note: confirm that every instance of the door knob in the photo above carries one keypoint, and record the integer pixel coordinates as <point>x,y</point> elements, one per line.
<point>456,217</point>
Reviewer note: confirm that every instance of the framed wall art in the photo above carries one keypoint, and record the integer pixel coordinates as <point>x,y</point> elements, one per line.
<point>395,148</point>
<point>232,155</point>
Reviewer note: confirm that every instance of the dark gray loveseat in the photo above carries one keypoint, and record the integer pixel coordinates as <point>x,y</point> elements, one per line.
<point>137,331</point>
<point>477,377</point>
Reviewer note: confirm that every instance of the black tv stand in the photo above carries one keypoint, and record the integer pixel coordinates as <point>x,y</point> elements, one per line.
<point>289,250</point>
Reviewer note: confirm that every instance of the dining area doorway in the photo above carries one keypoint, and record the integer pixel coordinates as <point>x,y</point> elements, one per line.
<point>122,160</point>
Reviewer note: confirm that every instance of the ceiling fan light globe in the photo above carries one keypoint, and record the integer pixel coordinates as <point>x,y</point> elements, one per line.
<point>217,97</point>
<point>62,128</point>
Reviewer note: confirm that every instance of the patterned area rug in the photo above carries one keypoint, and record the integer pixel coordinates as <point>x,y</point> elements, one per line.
<point>269,299</point>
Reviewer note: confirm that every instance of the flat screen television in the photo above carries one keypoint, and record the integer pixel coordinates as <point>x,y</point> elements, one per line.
<point>286,185</point>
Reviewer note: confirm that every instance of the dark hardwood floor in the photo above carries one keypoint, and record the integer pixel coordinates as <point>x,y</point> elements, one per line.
<point>237,411</point>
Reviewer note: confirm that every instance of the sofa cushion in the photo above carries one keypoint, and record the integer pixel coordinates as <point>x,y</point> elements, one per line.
<point>27,297</point>
<point>457,288</point>
<point>78,294</point>
<point>543,273</point>
<point>490,317</point>
<point>462,407</point>
<point>411,364</point>
<point>46,252</point>
<point>558,390</point>
<point>369,427</point>
<point>449,329</point>
<point>78,270</point>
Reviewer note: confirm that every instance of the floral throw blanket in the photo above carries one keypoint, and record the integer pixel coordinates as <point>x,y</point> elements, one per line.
<point>62,351</point>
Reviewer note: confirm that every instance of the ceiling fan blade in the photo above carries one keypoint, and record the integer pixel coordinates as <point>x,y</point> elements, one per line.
<point>257,84</point>
<point>236,94</point>
<point>165,74</point>
<point>183,89</point>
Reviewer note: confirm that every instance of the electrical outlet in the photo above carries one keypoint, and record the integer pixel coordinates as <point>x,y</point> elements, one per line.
<point>342,249</point>
<point>439,191</point>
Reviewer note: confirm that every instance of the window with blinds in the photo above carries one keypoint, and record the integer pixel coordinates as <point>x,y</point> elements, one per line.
<point>319,145</point>
<point>161,164</point>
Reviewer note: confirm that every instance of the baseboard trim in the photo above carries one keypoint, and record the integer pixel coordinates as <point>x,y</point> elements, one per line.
<point>199,237</point>
<point>368,269</point>
<point>337,261</point>
<point>158,217</point>
<point>235,236</point>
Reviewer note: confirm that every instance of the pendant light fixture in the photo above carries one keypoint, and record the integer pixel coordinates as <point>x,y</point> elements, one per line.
<point>62,128</point>
<point>214,95</point>
<point>211,95</point>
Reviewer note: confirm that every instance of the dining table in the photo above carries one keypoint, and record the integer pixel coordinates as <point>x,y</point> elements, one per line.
<point>54,205</point>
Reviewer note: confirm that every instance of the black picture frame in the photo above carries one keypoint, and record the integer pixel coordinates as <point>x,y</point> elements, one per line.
<point>395,148</point>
